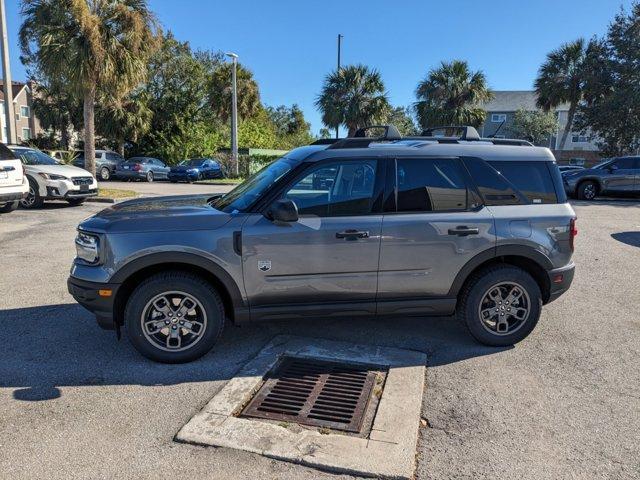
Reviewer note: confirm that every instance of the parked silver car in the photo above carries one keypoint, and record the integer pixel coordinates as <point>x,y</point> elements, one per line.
<point>418,226</point>
<point>613,176</point>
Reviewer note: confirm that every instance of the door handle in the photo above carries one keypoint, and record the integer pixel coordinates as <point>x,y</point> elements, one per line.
<point>463,231</point>
<point>352,234</point>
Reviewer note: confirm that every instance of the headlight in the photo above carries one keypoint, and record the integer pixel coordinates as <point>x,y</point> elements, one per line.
<point>52,176</point>
<point>88,247</point>
<point>191,170</point>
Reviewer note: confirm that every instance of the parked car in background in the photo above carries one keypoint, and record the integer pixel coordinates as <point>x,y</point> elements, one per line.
<point>50,180</point>
<point>14,185</point>
<point>569,168</point>
<point>142,168</point>
<point>106,163</point>
<point>613,176</point>
<point>196,169</point>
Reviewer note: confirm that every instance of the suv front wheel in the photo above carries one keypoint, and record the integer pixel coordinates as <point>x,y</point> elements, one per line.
<point>174,317</point>
<point>500,305</point>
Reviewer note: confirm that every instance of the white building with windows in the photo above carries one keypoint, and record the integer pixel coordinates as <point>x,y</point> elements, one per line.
<point>25,123</point>
<point>501,111</point>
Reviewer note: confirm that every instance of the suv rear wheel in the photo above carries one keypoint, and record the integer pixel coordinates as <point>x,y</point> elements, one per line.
<point>105,174</point>
<point>500,305</point>
<point>174,317</point>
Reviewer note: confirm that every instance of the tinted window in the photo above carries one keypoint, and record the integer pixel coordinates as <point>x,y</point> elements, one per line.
<point>426,185</point>
<point>341,188</point>
<point>5,153</point>
<point>114,157</point>
<point>626,163</point>
<point>494,188</point>
<point>532,179</point>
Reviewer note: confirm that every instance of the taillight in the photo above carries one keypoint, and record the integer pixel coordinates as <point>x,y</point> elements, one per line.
<point>137,167</point>
<point>573,231</point>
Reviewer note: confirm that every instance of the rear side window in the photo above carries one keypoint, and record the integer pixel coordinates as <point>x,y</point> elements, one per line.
<point>5,153</point>
<point>532,179</point>
<point>492,185</point>
<point>430,185</point>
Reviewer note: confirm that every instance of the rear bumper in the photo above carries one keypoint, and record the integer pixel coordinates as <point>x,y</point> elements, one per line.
<point>86,294</point>
<point>12,197</point>
<point>560,280</point>
<point>130,174</point>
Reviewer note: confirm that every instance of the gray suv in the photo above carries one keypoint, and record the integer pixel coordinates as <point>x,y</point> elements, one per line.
<point>365,226</point>
<point>613,176</point>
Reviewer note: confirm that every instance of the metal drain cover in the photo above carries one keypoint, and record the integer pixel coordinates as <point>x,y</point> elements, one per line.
<point>315,392</point>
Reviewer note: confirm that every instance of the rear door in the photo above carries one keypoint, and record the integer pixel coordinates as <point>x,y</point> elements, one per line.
<point>433,225</point>
<point>10,171</point>
<point>327,261</point>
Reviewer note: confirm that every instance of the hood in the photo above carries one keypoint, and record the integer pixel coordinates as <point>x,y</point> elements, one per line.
<point>184,168</point>
<point>159,214</point>
<point>66,170</point>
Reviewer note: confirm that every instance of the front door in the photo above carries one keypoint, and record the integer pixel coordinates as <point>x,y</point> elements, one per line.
<point>621,175</point>
<point>327,261</point>
<point>434,228</point>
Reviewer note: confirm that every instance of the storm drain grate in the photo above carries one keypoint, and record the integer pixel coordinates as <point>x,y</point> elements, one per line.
<point>314,392</point>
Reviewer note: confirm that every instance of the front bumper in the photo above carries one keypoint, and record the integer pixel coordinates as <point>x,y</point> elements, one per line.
<point>183,176</point>
<point>130,174</point>
<point>66,189</point>
<point>86,294</point>
<point>560,280</point>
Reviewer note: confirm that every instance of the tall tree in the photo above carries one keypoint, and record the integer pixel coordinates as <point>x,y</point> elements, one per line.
<point>535,126</point>
<point>57,110</point>
<point>452,94</point>
<point>611,105</point>
<point>89,45</point>
<point>353,96</point>
<point>124,120</point>
<point>561,80</point>
<point>220,92</point>
<point>291,127</point>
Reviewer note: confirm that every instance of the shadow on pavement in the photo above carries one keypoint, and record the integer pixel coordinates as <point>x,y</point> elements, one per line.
<point>630,238</point>
<point>49,347</point>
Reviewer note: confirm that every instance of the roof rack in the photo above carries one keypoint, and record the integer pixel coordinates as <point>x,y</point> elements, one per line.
<point>467,133</point>
<point>360,139</point>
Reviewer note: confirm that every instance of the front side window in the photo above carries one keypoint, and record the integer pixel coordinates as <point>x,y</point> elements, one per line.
<point>335,189</point>
<point>430,185</point>
<point>626,163</point>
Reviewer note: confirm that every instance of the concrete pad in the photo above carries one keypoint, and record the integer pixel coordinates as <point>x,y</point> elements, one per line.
<point>388,452</point>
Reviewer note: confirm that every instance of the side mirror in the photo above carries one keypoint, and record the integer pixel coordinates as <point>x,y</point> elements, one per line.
<point>283,211</point>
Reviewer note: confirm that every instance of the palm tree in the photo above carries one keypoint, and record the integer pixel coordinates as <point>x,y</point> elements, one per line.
<point>90,46</point>
<point>220,92</point>
<point>452,95</point>
<point>561,80</point>
<point>353,96</point>
<point>124,119</point>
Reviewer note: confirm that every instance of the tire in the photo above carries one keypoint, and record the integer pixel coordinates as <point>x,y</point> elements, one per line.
<point>172,285</point>
<point>149,177</point>
<point>488,282</point>
<point>75,202</point>
<point>105,174</point>
<point>33,199</point>
<point>587,190</point>
<point>9,207</point>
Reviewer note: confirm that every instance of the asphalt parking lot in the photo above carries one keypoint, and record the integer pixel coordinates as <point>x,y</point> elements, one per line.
<point>565,403</point>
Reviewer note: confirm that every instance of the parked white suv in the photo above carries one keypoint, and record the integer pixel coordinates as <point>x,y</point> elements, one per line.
<point>50,180</point>
<point>13,182</point>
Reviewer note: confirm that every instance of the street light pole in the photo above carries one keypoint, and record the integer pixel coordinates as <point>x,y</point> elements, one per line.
<point>339,48</point>
<point>234,114</point>
<point>6,76</point>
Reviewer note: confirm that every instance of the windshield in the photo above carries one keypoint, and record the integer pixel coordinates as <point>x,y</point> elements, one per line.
<point>35,157</point>
<point>254,187</point>
<point>196,162</point>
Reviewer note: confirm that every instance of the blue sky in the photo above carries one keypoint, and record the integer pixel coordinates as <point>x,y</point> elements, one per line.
<point>291,45</point>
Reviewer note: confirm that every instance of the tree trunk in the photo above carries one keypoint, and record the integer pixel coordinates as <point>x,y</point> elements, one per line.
<point>121,147</point>
<point>89,131</point>
<point>64,137</point>
<point>567,127</point>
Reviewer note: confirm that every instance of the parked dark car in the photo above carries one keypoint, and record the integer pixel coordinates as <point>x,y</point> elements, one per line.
<point>614,176</point>
<point>196,169</point>
<point>106,163</point>
<point>142,168</point>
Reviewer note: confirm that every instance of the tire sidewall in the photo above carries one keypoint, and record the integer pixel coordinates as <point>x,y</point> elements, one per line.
<point>37,203</point>
<point>104,177</point>
<point>150,177</point>
<point>582,188</point>
<point>477,290</point>
<point>199,289</point>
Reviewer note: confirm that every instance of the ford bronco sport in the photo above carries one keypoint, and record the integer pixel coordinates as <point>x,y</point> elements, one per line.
<point>363,226</point>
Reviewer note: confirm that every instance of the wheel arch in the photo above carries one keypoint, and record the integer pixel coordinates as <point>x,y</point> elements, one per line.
<point>134,272</point>
<point>596,180</point>
<point>532,261</point>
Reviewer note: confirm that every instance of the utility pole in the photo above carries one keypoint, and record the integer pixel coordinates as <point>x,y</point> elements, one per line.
<point>339,49</point>
<point>234,114</point>
<point>6,76</point>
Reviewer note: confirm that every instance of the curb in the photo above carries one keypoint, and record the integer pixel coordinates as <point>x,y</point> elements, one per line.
<point>229,184</point>
<point>101,200</point>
